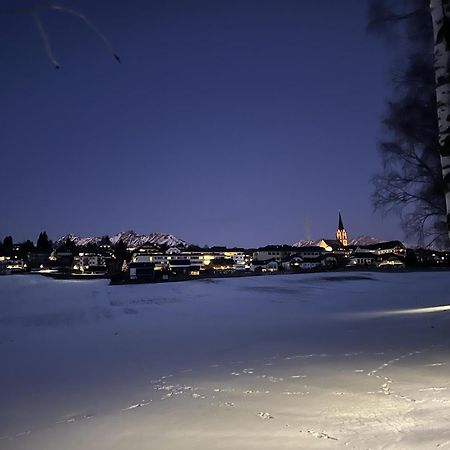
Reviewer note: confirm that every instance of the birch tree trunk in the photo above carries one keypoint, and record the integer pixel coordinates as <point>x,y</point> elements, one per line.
<point>440,13</point>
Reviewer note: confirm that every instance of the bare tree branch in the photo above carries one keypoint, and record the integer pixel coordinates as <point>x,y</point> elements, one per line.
<point>52,5</point>
<point>410,183</point>
<point>46,40</point>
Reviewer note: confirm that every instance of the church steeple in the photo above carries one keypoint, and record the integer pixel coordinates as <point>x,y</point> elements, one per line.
<point>341,233</point>
<point>341,225</point>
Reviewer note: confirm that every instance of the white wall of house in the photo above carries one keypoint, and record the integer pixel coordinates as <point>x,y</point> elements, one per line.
<point>355,261</point>
<point>173,251</point>
<point>264,255</point>
<point>196,258</point>
<point>295,261</point>
<point>86,261</point>
<point>309,265</point>
<point>271,266</point>
<point>396,250</point>
<point>238,258</point>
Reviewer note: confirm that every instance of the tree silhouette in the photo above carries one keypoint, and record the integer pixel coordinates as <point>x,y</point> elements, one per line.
<point>7,245</point>
<point>25,248</point>
<point>410,182</point>
<point>120,252</point>
<point>70,245</point>
<point>105,241</point>
<point>440,13</point>
<point>43,243</point>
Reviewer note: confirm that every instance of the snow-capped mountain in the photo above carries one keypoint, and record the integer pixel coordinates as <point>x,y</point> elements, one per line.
<point>306,243</point>
<point>360,240</point>
<point>364,240</point>
<point>133,239</point>
<point>130,238</point>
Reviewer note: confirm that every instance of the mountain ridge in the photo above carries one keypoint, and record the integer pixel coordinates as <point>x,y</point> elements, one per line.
<point>360,240</point>
<point>129,237</point>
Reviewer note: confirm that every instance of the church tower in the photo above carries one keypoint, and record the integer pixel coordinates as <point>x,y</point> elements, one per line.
<point>341,233</point>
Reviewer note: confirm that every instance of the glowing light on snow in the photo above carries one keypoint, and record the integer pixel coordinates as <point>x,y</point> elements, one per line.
<point>430,309</point>
<point>399,312</point>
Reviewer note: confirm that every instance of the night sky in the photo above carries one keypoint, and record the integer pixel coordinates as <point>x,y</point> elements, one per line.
<point>228,122</point>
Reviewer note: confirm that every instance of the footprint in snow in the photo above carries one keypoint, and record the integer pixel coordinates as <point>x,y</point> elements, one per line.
<point>23,433</point>
<point>433,389</point>
<point>265,415</point>
<point>275,379</point>
<point>137,405</point>
<point>320,435</point>
<point>75,418</point>
<point>198,396</point>
<point>295,393</point>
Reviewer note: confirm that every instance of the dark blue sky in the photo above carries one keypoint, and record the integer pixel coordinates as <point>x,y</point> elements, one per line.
<point>227,122</point>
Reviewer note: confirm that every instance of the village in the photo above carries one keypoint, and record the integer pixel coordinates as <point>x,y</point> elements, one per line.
<point>152,262</point>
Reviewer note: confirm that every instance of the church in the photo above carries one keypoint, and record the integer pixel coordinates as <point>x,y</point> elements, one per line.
<point>340,243</point>
<point>341,233</point>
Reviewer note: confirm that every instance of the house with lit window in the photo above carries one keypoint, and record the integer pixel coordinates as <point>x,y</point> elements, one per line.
<point>276,252</point>
<point>142,271</point>
<point>333,245</point>
<point>222,265</point>
<point>310,252</point>
<point>395,247</point>
<point>311,263</point>
<point>270,265</point>
<point>149,248</point>
<point>180,266</point>
<point>390,261</point>
<point>12,265</point>
<point>292,262</point>
<point>173,251</point>
<point>89,263</point>
<point>361,258</point>
<point>202,259</point>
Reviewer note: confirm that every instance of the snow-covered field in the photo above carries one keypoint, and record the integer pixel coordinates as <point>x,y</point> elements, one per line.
<point>350,360</point>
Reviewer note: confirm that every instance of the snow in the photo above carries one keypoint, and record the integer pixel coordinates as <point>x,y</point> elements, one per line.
<point>360,240</point>
<point>336,360</point>
<point>130,238</point>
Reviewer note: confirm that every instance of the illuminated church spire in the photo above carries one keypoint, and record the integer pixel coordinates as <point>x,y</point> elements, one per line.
<point>341,233</point>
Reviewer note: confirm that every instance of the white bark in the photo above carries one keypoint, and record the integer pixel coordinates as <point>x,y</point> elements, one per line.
<point>440,13</point>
